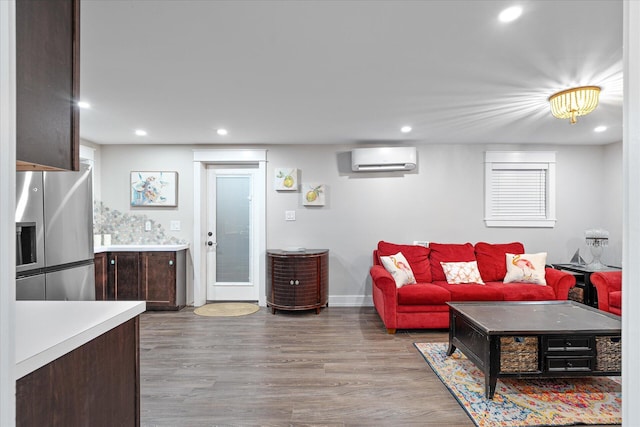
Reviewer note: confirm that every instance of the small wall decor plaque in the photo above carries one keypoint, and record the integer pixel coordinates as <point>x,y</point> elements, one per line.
<point>313,194</point>
<point>154,188</point>
<point>286,179</point>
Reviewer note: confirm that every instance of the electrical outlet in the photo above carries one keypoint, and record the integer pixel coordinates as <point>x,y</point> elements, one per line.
<point>290,215</point>
<point>147,226</point>
<point>174,225</point>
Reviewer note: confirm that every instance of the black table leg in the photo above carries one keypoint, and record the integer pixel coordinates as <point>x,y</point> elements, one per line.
<point>490,382</point>
<point>491,374</point>
<point>451,349</point>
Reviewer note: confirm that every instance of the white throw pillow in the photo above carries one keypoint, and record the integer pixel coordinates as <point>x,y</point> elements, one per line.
<point>462,272</point>
<point>399,268</point>
<point>526,268</point>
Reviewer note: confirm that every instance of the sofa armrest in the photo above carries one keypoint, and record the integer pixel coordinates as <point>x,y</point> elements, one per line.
<point>385,296</point>
<point>560,281</point>
<point>384,281</point>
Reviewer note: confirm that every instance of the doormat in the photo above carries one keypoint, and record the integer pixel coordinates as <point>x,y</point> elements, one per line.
<point>525,402</point>
<point>226,309</point>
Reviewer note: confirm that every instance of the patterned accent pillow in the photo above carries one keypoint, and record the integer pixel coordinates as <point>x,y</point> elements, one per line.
<point>418,257</point>
<point>399,268</point>
<point>462,272</point>
<point>526,268</point>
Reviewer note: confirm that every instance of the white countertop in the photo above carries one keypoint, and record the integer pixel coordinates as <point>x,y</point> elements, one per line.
<point>140,248</point>
<point>46,330</point>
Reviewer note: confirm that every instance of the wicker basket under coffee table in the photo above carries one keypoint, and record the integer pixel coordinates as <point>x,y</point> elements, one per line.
<point>535,339</point>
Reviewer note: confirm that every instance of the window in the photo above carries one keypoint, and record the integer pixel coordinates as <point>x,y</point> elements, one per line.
<point>520,189</point>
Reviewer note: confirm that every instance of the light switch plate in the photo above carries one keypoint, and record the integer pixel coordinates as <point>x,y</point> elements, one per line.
<point>290,215</point>
<point>174,225</point>
<point>147,226</point>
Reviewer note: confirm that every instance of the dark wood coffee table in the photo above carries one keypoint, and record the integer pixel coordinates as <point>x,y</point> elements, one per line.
<point>535,339</point>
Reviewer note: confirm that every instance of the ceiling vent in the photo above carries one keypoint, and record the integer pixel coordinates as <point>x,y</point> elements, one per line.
<point>381,159</point>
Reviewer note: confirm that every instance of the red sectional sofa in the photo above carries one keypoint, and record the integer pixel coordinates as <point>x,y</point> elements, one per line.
<point>423,305</point>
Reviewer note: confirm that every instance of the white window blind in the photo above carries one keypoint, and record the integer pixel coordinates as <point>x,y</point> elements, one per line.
<point>519,193</point>
<point>519,189</point>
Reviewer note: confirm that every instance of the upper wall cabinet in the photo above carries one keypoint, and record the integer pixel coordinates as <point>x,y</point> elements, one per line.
<point>48,84</point>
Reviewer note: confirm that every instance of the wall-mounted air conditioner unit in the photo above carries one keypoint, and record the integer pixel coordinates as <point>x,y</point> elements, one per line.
<point>380,159</point>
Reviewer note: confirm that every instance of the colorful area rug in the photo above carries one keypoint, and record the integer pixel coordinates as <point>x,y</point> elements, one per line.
<point>224,309</point>
<point>525,402</point>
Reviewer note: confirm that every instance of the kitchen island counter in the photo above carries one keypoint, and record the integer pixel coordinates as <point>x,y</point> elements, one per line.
<point>47,330</point>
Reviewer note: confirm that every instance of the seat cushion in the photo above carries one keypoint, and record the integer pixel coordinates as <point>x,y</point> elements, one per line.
<point>527,292</point>
<point>492,259</point>
<point>423,294</point>
<point>615,299</point>
<point>448,252</point>
<point>471,292</point>
<point>417,256</point>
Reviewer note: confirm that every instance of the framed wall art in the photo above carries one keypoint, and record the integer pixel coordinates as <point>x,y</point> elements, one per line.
<point>286,179</point>
<point>149,188</point>
<point>313,194</point>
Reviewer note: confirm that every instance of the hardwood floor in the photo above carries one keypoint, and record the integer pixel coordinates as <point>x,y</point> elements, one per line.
<point>338,368</point>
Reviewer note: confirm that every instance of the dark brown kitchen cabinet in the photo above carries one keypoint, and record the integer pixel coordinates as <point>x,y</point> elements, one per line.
<point>162,279</point>
<point>157,277</point>
<point>100,264</point>
<point>297,280</point>
<point>123,278</point>
<point>47,84</point>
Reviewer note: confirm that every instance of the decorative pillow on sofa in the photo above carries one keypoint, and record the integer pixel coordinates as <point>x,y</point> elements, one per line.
<point>399,268</point>
<point>448,252</point>
<point>417,256</point>
<point>526,268</point>
<point>462,272</point>
<point>491,256</point>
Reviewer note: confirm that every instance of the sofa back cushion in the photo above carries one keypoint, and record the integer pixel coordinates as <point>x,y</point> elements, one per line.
<point>417,257</point>
<point>492,259</point>
<point>448,252</point>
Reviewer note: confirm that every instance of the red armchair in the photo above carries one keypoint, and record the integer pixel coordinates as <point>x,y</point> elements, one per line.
<point>609,287</point>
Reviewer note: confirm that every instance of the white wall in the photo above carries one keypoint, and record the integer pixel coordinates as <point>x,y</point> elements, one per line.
<point>631,213</point>
<point>97,184</point>
<point>7,212</point>
<point>116,163</point>
<point>610,201</point>
<point>442,200</point>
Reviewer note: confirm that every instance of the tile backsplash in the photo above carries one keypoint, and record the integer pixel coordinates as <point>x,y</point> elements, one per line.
<point>128,229</point>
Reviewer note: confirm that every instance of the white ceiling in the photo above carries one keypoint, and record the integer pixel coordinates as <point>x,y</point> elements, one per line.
<point>346,71</point>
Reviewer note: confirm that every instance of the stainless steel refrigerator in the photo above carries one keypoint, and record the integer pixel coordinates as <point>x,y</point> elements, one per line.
<point>54,235</point>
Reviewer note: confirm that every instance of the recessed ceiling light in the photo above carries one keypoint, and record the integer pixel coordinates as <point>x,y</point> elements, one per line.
<point>600,129</point>
<point>510,14</point>
<point>141,132</point>
<point>84,104</point>
<point>222,132</point>
<point>405,129</point>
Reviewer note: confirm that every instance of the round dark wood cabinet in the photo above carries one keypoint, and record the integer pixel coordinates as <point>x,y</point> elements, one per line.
<point>297,280</point>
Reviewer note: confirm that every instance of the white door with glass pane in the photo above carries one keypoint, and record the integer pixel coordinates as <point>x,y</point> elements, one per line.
<point>231,235</point>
